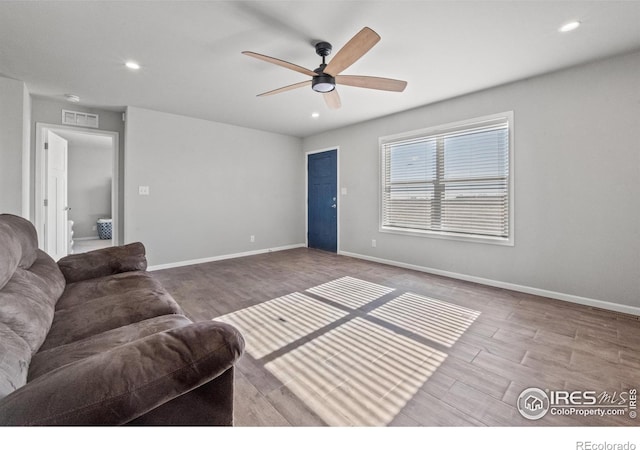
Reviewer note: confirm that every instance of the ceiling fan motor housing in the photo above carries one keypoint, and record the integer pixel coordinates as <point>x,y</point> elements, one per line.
<point>323,83</point>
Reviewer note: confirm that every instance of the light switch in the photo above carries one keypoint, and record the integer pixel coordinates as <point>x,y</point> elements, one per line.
<point>143,190</point>
<point>343,191</point>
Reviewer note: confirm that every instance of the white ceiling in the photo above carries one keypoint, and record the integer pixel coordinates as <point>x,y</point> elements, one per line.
<point>192,65</point>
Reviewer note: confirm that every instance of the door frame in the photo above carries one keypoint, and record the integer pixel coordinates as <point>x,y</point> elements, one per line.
<point>306,193</point>
<point>40,175</point>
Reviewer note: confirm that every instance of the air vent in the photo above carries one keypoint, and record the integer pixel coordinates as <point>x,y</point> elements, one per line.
<point>79,119</point>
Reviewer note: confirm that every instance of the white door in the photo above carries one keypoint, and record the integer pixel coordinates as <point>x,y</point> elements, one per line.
<point>56,196</point>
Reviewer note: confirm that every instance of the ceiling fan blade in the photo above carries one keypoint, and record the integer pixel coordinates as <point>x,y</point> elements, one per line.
<point>286,88</point>
<point>281,63</point>
<point>382,84</point>
<point>352,51</point>
<point>332,99</point>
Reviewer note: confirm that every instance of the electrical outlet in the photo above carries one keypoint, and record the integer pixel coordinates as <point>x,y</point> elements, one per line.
<point>94,228</point>
<point>143,190</point>
<point>252,238</point>
<point>373,242</point>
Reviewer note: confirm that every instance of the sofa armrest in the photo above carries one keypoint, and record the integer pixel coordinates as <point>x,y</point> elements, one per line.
<point>103,262</point>
<point>125,382</point>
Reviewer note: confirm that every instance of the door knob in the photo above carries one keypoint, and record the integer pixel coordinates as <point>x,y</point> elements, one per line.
<point>333,206</point>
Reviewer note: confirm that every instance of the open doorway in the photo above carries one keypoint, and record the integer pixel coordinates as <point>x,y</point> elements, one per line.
<point>76,208</point>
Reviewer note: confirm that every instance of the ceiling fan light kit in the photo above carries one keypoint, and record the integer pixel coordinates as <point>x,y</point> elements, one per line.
<point>323,83</point>
<point>326,76</point>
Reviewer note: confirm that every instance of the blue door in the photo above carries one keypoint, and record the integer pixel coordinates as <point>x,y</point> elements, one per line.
<point>322,216</point>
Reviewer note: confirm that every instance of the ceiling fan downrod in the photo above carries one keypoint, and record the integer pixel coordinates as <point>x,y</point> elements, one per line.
<point>323,82</point>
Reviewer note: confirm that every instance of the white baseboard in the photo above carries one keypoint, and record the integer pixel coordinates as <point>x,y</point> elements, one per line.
<point>633,310</point>
<point>89,238</point>
<point>222,257</point>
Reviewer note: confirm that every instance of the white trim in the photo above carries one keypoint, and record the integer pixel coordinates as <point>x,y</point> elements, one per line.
<point>626,309</point>
<point>223,257</point>
<point>306,193</point>
<point>41,129</point>
<point>473,238</point>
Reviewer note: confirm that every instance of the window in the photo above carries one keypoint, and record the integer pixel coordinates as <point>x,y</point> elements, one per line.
<point>452,181</point>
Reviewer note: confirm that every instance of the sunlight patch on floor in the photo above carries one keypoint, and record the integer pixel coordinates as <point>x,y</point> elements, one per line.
<point>271,325</point>
<point>358,374</point>
<point>436,320</point>
<point>350,292</point>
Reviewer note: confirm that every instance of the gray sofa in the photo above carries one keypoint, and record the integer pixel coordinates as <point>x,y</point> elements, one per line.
<point>95,340</point>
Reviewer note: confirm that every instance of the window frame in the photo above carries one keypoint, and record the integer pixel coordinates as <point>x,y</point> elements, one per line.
<point>452,127</point>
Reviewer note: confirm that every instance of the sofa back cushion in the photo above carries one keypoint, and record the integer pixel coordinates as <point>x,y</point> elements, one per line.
<point>15,356</point>
<point>103,262</point>
<point>30,285</point>
<point>19,242</point>
<point>10,253</point>
<point>27,301</point>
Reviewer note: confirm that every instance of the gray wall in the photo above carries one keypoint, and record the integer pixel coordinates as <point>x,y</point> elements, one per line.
<point>577,184</point>
<point>211,186</point>
<point>89,186</point>
<point>44,110</point>
<point>13,112</point>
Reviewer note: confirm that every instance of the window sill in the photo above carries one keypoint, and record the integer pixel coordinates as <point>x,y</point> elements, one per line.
<point>472,238</point>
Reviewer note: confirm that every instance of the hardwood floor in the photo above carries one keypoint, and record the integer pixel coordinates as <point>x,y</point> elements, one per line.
<point>333,340</point>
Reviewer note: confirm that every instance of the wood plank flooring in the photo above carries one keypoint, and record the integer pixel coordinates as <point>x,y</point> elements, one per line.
<point>341,341</point>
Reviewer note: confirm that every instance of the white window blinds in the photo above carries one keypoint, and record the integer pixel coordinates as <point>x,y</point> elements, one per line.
<point>451,181</point>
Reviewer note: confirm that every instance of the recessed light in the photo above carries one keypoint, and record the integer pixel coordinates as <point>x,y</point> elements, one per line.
<point>315,115</point>
<point>72,98</point>
<point>132,65</point>
<point>569,26</point>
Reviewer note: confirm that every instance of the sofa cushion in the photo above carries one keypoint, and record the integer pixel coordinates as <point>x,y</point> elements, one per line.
<point>11,253</point>
<point>106,313</point>
<point>19,243</point>
<point>23,232</point>
<point>45,274</point>
<point>125,382</point>
<point>27,300</point>
<point>48,360</point>
<point>30,285</point>
<point>82,291</point>
<point>15,355</point>
<point>103,262</point>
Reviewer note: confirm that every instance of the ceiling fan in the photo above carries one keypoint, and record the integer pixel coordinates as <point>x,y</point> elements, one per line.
<point>326,76</point>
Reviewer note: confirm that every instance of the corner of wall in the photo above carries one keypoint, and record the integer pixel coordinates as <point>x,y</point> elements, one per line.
<point>27,209</point>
